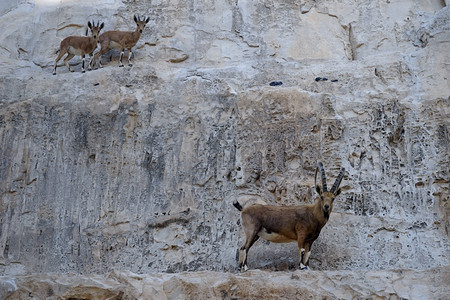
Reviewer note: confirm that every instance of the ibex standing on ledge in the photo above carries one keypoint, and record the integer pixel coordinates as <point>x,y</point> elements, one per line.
<point>121,40</point>
<point>279,224</point>
<point>79,45</point>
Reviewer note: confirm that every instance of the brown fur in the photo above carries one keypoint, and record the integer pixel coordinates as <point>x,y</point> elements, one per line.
<point>79,45</point>
<point>293,222</point>
<point>301,223</point>
<point>121,39</point>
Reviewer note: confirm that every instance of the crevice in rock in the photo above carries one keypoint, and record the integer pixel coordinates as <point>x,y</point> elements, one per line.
<point>351,41</point>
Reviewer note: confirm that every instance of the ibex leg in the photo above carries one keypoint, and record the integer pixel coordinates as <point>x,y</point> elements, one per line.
<point>91,60</point>
<point>98,60</point>
<point>66,61</point>
<point>120,58</point>
<point>61,54</point>
<point>243,252</point>
<point>302,251</point>
<point>307,255</point>
<point>130,54</point>
<point>82,64</point>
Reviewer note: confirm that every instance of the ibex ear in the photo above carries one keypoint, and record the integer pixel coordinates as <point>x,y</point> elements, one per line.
<point>318,190</point>
<point>135,19</point>
<point>148,19</point>
<point>101,26</point>
<point>89,25</point>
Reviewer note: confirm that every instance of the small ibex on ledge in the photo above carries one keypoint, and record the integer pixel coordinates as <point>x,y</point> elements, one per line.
<point>283,224</point>
<point>121,40</point>
<point>79,45</point>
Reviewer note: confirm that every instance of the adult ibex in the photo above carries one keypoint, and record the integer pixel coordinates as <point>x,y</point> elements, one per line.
<point>121,40</point>
<point>282,224</point>
<point>79,45</point>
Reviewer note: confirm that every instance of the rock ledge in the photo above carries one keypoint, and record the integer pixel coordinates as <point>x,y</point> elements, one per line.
<point>255,284</point>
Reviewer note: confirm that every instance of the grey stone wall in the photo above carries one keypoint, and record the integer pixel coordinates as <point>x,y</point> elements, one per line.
<point>136,168</point>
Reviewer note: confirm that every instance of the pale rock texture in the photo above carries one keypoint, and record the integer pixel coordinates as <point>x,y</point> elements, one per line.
<point>394,284</point>
<point>134,170</point>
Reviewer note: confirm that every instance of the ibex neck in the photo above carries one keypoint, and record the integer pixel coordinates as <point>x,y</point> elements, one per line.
<point>136,34</point>
<point>93,41</point>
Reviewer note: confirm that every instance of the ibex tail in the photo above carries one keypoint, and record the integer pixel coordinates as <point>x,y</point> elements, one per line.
<point>237,205</point>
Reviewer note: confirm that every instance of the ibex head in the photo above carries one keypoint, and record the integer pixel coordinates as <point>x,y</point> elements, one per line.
<point>327,197</point>
<point>141,23</point>
<point>95,29</point>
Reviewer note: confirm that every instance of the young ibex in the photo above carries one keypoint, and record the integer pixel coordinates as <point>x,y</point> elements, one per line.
<point>79,45</point>
<point>279,224</point>
<point>121,40</point>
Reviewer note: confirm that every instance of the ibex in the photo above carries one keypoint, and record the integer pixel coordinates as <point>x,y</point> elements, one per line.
<point>283,224</point>
<point>121,40</point>
<point>79,45</point>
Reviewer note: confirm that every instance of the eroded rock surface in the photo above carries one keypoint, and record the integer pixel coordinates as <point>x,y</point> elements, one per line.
<point>136,168</point>
<point>393,284</point>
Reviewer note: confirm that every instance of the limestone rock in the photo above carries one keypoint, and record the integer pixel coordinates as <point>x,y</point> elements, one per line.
<point>394,284</point>
<point>137,168</point>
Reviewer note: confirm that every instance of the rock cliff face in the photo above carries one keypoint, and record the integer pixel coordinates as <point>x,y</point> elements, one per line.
<point>136,168</point>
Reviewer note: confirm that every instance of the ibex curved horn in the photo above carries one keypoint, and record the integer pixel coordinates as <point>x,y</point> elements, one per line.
<point>284,223</point>
<point>338,181</point>
<point>322,172</point>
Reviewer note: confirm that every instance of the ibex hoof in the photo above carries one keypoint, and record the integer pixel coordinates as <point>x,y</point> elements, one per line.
<point>54,73</point>
<point>83,71</point>
<point>130,65</point>
<point>243,268</point>
<point>120,66</point>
